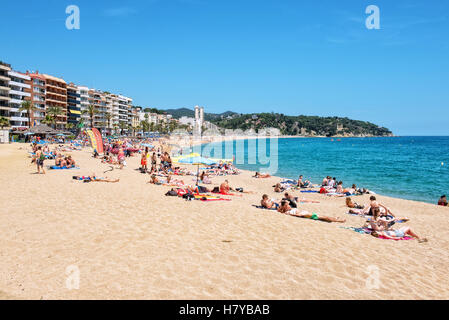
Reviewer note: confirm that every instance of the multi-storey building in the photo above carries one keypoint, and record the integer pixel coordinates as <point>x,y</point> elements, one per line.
<point>56,96</point>
<point>84,104</point>
<point>135,120</point>
<point>4,89</point>
<point>37,91</point>
<point>113,109</point>
<point>98,100</point>
<point>124,109</point>
<point>73,104</point>
<point>20,91</point>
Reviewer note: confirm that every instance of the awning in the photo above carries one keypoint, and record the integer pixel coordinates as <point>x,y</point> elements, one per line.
<point>75,111</point>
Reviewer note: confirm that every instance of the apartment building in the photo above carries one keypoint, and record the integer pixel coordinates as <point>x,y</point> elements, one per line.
<point>113,108</point>
<point>20,91</point>
<point>37,83</point>
<point>135,120</point>
<point>98,100</point>
<point>124,109</point>
<point>73,104</point>
<point>84,104</point>
<point>4,89</point>
<point>56,96</point>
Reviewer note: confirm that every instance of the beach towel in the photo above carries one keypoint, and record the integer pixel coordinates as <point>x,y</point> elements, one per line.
<point>261,207</point>
<point>403,238</point>
<point>359,230</point>
<point>209,198</point>
<point>310,191</point>
<point>63,168</point>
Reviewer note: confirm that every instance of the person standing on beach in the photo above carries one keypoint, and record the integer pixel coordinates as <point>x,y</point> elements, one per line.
<point>40,157</point>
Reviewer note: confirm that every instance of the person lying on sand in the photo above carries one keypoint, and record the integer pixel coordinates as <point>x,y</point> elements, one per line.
<point>353,205</point>
<point>261,175</point>
<point>278,188</point>
<point>286,209</point>
<point>268,203</point>
<point>94,178</point>
<point>398,234</point>
<point>154,180</point>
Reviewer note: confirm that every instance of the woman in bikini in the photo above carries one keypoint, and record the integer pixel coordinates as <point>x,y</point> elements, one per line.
<point>286,209</point>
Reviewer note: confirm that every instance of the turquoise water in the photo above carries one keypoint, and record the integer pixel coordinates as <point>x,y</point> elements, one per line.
<point>415,168</point>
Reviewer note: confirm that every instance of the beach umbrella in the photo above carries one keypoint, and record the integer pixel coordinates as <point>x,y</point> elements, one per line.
<point>197,160</point>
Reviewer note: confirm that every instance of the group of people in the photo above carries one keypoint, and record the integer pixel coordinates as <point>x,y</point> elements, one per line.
<point>40,153</point>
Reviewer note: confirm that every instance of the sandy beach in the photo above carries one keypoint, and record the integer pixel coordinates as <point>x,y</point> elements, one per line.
<point>129,241</point>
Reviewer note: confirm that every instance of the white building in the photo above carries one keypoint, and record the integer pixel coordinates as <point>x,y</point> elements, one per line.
<point>84,103</point>
<point>19,90</point>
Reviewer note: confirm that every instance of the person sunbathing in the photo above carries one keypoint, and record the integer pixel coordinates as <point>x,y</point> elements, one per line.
<point>383,209</point>
<point>292,200</point>
<point>353,205</point>
<point>303,184</point>
<point>286,209</point>
<point>94,178</point>
<point>154,180</point>
<point>278,188</point>
<point>261,175</point>
<point>442,201</point>
<point>268,203</point>
<point>339,187</point>
<point>70,162</point>
<point>225,188</point>
<point>398,234</point>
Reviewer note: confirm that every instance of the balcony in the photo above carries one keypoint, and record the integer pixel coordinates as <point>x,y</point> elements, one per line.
<point>20,93</point>
<point>19,84</point>
<point>18,119</point>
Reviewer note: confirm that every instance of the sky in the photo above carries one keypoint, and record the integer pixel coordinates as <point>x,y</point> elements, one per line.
<point>286,56</point>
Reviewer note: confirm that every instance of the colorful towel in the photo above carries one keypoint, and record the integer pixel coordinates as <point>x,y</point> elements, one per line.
<point>63,168</point>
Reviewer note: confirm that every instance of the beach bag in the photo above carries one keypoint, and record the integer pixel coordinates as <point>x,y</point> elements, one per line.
<point>216,190</point>
<point>188,196</point>
<point>172,193</point>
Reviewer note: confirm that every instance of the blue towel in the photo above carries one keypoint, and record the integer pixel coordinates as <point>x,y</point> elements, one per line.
<point>63,168</point>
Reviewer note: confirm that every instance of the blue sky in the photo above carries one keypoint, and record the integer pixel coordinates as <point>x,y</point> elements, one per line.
<point>293,57</point>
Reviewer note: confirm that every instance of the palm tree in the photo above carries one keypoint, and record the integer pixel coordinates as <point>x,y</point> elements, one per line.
<point>69,126</point>
<point>4,122</point>
<point>47,120</point>
<point>29,108</point>
<point>122,126</point>
<point>115,128</point>
<point>108,118</point>
<point>131,128</point>
<point>139,128</point>
<point>54,112</point>
<point>91,111</point>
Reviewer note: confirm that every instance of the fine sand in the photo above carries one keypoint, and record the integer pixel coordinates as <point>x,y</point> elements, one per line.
<point>129,241</point>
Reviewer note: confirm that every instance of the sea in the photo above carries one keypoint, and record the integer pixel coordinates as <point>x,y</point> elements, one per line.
<point>413,168</point>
